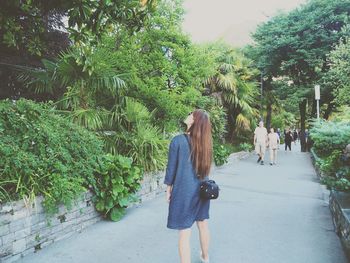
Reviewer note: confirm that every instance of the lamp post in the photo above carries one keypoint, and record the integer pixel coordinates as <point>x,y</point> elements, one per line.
<point>261,95</point>
<point>317,98</point>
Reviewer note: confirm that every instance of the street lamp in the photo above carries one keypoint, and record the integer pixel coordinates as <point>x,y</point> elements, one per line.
<point>261,95</point>
<point>317,98</point>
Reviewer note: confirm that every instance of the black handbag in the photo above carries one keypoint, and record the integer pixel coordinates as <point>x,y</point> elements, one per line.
<point>209,190</point>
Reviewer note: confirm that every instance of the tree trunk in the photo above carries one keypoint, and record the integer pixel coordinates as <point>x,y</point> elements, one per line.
<point>302,110</point>
<point>314,109</point>
<point>268,116</point>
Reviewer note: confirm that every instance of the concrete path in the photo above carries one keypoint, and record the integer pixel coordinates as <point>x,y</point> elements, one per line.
<point>265,214</point>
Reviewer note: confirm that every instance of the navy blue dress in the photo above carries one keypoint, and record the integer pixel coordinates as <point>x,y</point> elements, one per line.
<point>185,205</point>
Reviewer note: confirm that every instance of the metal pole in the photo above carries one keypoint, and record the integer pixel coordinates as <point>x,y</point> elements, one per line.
<point>317,98</point>
<point>261,96</point>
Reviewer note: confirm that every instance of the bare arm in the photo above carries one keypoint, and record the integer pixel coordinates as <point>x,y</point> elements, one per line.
<point>254,142</point>
<point>168,193</point>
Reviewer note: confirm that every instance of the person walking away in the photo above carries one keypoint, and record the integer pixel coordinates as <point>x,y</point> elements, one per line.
<point>190,158</point>
<point>288,140</point>
<point>260,141</point>
<point>295,136</point>
<point>278,132</point>
<point>273,142</point>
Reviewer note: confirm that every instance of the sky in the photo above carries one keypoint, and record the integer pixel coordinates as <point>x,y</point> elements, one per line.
<point>231,20</point>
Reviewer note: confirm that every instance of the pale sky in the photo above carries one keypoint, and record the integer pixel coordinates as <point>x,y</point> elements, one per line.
<point>232,20</point>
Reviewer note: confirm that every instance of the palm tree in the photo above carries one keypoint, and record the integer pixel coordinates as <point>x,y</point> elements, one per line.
<point>234,88</point>
<point>89,81</point>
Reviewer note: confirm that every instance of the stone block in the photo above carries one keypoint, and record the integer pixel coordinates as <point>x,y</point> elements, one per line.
<point>40,226</point>
<point>10,258</point>
<point>4,230</point>
<point>36,218</point>
<point>6,209</point>
<point>19,205</point>
<point>22,233</point>
<point>5,251</point>
<point>19,246</point>
<point>73,215</point>
<point>5,219</point>
<point>19,224</point>
<point>8,239</point>
<point>22,213</point>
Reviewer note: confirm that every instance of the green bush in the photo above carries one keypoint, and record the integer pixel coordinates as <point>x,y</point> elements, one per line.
<point>330,165</point>
<point>118,180</point>
<point>44,154</point>
<point>139,139</point>
<point>247,147</point>
<point>221,154</point>
<point>341,184</point>
<point>329,136</point>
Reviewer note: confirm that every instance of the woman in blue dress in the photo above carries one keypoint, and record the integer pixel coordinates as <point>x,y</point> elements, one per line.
<point>190,158</point>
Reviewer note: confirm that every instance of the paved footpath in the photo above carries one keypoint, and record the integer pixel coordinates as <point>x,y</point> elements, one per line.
<point>264,214</point>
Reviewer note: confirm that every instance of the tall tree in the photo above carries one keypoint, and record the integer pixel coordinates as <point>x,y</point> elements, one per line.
<point>296,45</point>
<point>234,86</point>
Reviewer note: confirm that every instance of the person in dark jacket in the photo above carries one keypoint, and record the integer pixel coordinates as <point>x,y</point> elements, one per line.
<point>288,138</point>
<point>190,158</point>
<point>295,136</point>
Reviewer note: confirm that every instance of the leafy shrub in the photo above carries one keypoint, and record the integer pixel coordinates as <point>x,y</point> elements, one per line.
<point>139,139</point>
<point>44,154</point>
<point>221,154</point>
<point>118,181</point>
<point>330,164</point>
<point>218,122</point>
<point>329,136</point>
<point>342,184</point>
<point>247,147</point>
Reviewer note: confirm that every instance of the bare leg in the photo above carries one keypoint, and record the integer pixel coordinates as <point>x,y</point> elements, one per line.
<point>204,237</point>
<point>184,245</point>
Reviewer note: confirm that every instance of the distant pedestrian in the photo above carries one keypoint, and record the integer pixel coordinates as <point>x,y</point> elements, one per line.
<point>295,136</point>
<point>260,141</point>
<point>190,158</point>
<point>288,138</point>
<point>278,132</point>
<point>273,142</point>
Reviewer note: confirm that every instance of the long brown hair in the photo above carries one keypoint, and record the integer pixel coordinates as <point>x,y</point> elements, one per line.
<point>201,143</point>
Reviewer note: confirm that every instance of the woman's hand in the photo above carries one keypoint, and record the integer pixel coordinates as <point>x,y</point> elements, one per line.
<point>168,193</point>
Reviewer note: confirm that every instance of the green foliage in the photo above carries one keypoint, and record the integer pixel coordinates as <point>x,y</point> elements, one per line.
<point>247,147</point>
<point>138,138</point>
<point>218,119</point>
<point>330,164</point>
<point>44,154</point>
<point>62,190</point>
<point>296,45</point>
<point>118,180</point>
<point>342,184</point>
<point>329,136</point>
<point>338,77</point>
<point>27,25</point>
<point>233,85</point>
<point>221,154</point>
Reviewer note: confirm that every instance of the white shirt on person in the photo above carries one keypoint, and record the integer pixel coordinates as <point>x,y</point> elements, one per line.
<point>273,140</point>
<point>260,133</point>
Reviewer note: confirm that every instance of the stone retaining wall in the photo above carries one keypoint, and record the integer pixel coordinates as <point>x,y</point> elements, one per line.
<point>339,204</point>
<point>26,229</point>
